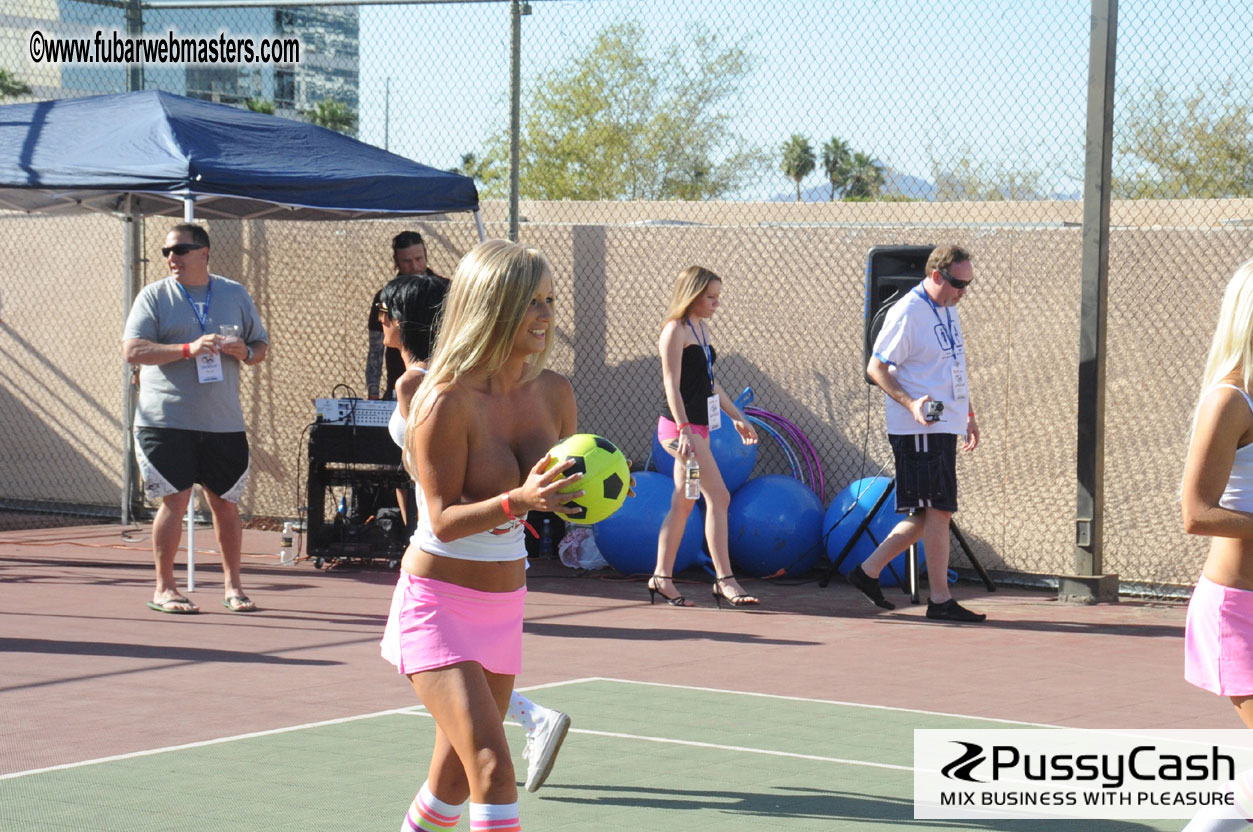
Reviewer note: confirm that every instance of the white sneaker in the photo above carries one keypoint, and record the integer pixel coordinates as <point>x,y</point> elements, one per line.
<point>542,746</point>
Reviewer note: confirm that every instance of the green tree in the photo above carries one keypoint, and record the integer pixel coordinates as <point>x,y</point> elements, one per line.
<point>11,86</point>
<point>963,178</point>
<point>1195,146</point>
<point>618,122</point>
<point>333,115</point>
<point>865,177</point>
<point>260,105</point>
<point>798,160</point>
<point>837,161</point>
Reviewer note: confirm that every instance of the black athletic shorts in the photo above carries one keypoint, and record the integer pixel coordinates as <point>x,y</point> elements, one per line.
<point>173,460</point>
<point>926,471</point>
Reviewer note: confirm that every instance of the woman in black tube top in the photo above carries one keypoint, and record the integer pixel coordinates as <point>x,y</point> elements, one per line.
<point>693,398</point>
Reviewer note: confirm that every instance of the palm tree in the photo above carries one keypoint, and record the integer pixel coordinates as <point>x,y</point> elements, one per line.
<point>798,160</point>
<point>865,177</point>
<point>334,115</point>
<point>837,160</point>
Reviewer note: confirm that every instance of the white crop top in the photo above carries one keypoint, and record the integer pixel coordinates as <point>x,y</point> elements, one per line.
<point>503,543</point>
<point>1238,495</point>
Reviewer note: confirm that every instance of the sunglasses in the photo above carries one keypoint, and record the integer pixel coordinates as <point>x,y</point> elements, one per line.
<point>179,249</point>
<point>952,281</point>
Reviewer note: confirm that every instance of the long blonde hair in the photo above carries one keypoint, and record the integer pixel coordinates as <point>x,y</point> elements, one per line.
<point>491,290</point>
<point>688,286</point>
<point>1232,346</point>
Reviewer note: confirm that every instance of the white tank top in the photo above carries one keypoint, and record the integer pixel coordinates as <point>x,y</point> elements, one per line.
<point>1238,495</point>
<point>503,543</point>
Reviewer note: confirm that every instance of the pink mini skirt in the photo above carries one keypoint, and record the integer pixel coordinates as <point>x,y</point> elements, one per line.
<point>435,624</point>
<point>668,431</point>
<point>1218,640</point>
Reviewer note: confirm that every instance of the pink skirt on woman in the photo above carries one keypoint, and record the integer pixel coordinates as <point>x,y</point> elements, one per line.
<point>435,624</point>
<point>1218,639</point>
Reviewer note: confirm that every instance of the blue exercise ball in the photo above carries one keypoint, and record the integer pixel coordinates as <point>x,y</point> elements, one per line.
<point>735,459</point>
<point>845,515</point>
<point>774,527</point>
<point>628,537</point>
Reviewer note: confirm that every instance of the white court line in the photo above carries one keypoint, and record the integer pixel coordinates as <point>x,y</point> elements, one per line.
<point>420,711</point>
<point>133,754</point>
<point>820,701</point>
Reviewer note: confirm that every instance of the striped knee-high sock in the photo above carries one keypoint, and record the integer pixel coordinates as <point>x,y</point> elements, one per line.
<point>494,817</point>
<point>428,813</point>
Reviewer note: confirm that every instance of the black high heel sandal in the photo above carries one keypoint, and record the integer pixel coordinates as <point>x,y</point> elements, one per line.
<point>739,600</point>
<point>654,591</point>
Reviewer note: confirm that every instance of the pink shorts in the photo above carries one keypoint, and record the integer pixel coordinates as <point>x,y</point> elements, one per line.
<point>1218,640</point>
<point>435,624</point>
<point>668,431</point>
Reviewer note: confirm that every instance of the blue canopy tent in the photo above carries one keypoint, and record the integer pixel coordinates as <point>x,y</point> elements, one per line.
<point>153,153</point>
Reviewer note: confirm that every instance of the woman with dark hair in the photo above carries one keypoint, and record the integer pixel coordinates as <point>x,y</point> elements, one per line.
<point>476,437</point>
<point>693,400</point>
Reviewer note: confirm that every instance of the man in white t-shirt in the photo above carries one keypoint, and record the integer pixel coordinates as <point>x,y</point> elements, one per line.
<point>919,361</point>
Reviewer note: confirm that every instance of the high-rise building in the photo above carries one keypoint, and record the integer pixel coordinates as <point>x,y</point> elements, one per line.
<point>328,67</point>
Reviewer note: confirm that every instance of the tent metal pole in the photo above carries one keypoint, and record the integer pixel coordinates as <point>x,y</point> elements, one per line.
<point>130,284</point>
<point>189,215</point>
<point>478,223</point>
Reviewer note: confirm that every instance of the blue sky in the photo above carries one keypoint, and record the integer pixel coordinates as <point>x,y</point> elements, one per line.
<point>908,81</point>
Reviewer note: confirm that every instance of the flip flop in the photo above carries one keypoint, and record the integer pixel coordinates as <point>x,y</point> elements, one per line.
<point>239,603</point>
<point>164,606</point>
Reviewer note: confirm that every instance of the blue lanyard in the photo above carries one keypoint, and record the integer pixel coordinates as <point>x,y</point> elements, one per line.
<point>948,330</point>
<point>704,345</point>
<point>201,318</point>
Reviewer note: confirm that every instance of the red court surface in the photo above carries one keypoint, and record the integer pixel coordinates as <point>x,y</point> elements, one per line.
<point>90,671</point>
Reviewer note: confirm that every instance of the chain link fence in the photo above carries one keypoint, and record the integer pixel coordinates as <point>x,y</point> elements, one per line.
<point>774,143</point>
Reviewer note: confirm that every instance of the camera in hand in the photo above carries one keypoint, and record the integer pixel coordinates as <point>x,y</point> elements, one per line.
<point>931,410</point>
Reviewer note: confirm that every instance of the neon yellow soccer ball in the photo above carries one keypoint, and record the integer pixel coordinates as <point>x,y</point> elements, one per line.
<point>606,477</point>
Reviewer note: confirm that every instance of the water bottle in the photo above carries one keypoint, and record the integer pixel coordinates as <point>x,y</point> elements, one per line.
<point>691,478</point>
<point>546,538</point>
<point>286,553</point>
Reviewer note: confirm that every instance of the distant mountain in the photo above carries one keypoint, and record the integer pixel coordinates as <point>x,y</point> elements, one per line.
<point>895,184</point>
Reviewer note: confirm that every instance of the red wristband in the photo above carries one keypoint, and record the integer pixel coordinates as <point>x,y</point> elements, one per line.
<point>186,350</point>
<point>504,503</point>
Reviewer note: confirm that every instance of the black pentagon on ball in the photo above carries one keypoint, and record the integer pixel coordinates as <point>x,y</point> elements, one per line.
<point>580,512</point>
<point>605,444</point>
<point>579,466</point>
<point>613,485</point>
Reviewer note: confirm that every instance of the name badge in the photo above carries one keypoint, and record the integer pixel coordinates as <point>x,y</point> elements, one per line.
<point>209,367</point>
<point>714,411</point>
<point>961,387</point>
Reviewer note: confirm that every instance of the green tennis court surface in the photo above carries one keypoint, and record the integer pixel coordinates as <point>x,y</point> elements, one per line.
<point>639,757</point>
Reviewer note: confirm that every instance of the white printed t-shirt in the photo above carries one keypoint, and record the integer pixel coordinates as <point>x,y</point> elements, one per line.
<point>921,343</point>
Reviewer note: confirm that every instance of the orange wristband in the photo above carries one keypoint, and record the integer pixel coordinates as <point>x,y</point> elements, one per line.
<point>186,350</point>
<point>504,503</point>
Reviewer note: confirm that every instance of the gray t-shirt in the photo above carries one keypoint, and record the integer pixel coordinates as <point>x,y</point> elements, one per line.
<point>171,395</point>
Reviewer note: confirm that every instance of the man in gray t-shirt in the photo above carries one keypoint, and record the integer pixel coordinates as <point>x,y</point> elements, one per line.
<point>190,333</point>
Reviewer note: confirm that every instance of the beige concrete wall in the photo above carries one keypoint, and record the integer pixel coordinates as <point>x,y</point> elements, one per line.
<point>790,327</point>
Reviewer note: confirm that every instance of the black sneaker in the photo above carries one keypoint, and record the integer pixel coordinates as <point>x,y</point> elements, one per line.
<point>950,610</point>
<point>869,587</point>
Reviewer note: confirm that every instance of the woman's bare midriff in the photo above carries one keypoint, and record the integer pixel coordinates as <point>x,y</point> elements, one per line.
<point>484,576</point>
<point>1230,562</point>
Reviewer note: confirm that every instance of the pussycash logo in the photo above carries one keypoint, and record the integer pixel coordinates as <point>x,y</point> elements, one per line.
<point>1143,763</point>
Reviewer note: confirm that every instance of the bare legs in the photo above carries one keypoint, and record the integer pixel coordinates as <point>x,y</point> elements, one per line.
<point>471,757</point>
<point>167,532</point>
<point>931,525</point>
<point>717,501</point>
